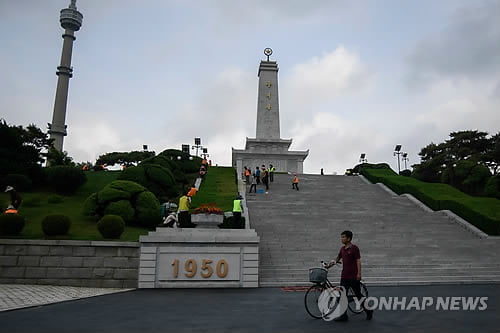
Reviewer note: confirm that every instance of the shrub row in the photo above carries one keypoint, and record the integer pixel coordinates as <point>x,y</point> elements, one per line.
<point>484,213</point>
<point>61,179</point>
<point>110,226</point>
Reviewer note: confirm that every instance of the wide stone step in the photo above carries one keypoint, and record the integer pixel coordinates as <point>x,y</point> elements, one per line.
<point>399,242</point>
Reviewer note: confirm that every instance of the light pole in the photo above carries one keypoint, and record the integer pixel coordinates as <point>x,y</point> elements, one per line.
<point>205,153</point>
<point>397,151</point>
<point>405,159</point>
<point>197,145</point>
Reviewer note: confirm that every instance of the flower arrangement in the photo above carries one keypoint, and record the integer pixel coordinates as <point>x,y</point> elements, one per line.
<point>209,208</point>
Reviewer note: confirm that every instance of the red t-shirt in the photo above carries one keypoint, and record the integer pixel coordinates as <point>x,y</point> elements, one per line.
<point>349,257</point>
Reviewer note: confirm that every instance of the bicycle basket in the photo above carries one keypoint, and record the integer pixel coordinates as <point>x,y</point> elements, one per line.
<point>317,275</point>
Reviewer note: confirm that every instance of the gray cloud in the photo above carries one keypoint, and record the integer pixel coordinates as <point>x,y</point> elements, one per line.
<point>468,47</point>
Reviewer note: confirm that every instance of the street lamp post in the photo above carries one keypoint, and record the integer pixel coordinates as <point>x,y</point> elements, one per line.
<point>405,159</point>
<point>397,151</point>
<point>197,145</point>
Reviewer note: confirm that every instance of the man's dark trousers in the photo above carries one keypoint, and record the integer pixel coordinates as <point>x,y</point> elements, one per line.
<point>355,286</point>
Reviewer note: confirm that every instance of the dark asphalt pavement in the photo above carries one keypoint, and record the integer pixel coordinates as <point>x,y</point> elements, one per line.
<point>246,310</point>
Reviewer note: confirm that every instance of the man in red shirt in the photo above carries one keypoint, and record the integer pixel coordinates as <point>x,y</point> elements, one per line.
<point>351,270</point>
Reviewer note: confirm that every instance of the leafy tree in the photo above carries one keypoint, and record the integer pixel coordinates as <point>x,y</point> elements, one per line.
<point>493,154</point>
<point>468,176</point>
<point>127,158</point>
<point>463,161</point>
<point>434,160</point>
<point>22,150</point>
<point>467,145</point>
<point>56,157</point>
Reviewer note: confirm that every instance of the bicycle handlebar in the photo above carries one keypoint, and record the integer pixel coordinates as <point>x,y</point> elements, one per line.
<point>327,265</point>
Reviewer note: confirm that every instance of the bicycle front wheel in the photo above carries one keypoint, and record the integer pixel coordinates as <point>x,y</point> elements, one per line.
<point>311,301</point>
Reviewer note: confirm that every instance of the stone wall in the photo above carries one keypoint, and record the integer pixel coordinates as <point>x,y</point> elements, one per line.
<point>70,263</point>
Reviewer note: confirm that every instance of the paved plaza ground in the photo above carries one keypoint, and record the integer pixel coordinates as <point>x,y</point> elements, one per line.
<point>245,310</point>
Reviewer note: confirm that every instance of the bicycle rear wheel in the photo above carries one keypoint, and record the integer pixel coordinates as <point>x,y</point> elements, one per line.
<point>351,296</point>
<point>311,301</point>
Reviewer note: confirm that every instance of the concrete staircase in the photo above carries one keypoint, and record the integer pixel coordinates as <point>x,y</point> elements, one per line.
<point>400,243</point>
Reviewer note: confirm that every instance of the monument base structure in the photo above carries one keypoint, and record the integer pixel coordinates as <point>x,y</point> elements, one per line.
<point>199,258</point>
<point>269,151</point>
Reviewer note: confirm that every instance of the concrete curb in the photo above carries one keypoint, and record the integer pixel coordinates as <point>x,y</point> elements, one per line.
<point>463,223</point>
<point>363,178</point>
<point>388,190</point>
<point>417,202</point>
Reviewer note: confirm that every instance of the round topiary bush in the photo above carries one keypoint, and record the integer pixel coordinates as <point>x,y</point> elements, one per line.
<point>148,209</point>
<point>90,205</point>
<point>53,225</point>
<point>64,179</point>
<point>154,177</point>
<point>131,201</point>
<point>111,226</point>
<point>122,208</point>
<point>18,181</point>
<point>492,188</point>
<point>11,224</point>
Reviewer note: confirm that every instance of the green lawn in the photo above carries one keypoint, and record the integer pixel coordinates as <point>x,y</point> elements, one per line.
<point>35,207</point>
<point>483,212</point>
<point>219,187</point>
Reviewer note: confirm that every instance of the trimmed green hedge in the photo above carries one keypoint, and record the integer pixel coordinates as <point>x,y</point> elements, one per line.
<point>19,182</point>
<point>482,212</point>
<point>127,199</point>
<point>64,179</point>
<point>154,177</point>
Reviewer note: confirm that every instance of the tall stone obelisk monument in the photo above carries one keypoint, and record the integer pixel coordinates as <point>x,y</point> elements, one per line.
<point>71,21</point>
<point>268,115</point>
<point>267,147</point>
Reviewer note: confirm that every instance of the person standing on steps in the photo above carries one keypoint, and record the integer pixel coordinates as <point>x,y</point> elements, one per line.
<point>295,182</point>
<point>247,175</point>
<point>265,178</point>
<point>351,270</point>
<point>257,175</point>
<point>253,185</point>
<point>271,173</point>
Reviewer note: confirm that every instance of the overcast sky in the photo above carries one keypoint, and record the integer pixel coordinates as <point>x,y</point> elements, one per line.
<point>355,76</point>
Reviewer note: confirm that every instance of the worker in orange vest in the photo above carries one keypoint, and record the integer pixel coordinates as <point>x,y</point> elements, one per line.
<point>192,192</point>
<point>295,182</point>
<point>247,175</point>
<point>11,210</point>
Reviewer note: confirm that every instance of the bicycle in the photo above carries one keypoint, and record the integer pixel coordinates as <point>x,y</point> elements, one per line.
<point>318,276</point>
